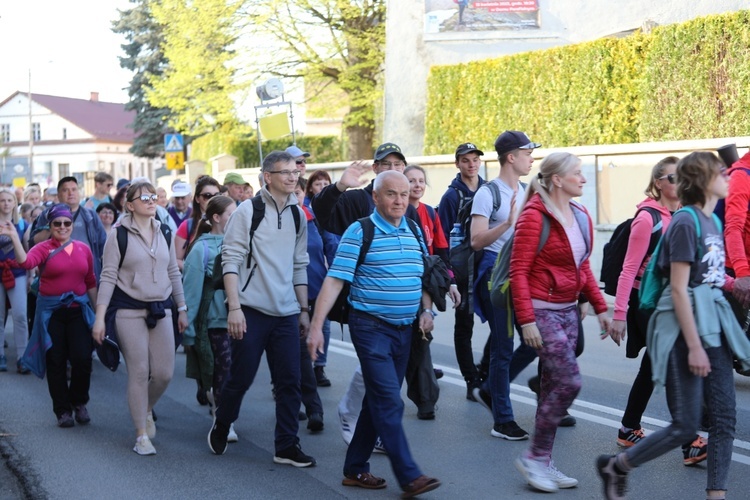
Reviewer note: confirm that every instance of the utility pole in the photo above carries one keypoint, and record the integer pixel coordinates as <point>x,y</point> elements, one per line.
<point>31,133</point>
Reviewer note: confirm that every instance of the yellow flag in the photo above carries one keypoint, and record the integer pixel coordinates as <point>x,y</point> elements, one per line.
<point>19,182</point>
<point>275,126</point>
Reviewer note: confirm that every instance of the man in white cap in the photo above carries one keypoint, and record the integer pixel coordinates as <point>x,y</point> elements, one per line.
<point>180,209</point>
<point>300,158</point>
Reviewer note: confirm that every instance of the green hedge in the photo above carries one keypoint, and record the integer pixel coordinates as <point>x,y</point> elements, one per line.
<point>323,148</point>
<point>683,81</point>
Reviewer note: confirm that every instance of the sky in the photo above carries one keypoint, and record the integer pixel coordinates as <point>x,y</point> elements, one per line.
<point>67,44</point>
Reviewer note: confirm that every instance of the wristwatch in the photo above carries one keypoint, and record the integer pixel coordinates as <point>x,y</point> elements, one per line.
<point>182,308</point>
<point>432,313</point>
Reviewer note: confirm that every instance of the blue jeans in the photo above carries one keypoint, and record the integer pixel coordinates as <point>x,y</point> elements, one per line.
<point>383,352</point>
<point>322,359</point>
<point>684,399</point>
<point>279,338</point>
<point>719,395</point>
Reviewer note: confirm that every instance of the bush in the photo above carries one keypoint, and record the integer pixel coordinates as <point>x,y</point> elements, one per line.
<point>683,81</point>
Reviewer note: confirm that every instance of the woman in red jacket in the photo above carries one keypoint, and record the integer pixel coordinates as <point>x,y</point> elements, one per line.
<point>545,294</point>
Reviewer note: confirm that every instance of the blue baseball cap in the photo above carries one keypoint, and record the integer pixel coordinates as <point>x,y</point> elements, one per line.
<point>295,151</point>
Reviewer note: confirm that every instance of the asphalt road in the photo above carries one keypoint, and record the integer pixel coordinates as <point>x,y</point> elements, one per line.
<point>96,461</point>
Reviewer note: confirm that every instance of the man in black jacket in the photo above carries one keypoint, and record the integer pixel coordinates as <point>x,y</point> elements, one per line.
<point>337,207</point>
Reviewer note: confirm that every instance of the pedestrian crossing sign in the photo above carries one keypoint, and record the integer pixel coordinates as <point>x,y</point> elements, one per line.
<point>173,143</point>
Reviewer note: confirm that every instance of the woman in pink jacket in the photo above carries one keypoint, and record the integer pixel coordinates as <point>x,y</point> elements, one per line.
<point>545,294</point>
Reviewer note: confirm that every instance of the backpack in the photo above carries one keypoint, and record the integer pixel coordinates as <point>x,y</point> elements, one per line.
<point>614,251</point>
<point>122,240</point>
<point>654,280</point>
<point>499,284</point>
<point>435,278</point>
<point>259,211</point>
<point>464,259</point>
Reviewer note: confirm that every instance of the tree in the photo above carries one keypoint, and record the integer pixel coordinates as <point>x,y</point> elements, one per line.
<point>340,41</point>
<point>197,84</point>
<point>143,56</point>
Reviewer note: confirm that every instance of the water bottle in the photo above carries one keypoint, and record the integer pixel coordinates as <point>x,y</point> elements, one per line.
<point>456,235</point>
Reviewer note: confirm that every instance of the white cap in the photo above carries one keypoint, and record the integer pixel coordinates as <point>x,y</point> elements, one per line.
<point>180,189</point>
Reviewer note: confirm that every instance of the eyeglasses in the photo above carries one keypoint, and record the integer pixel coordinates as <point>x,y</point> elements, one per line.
<point>207,196</point>
<point>300,162</point>
<point>285,173</point>
<point>61,223</point>
<point>392,164</point>
<point>669,177</point>
<point>145,198</point>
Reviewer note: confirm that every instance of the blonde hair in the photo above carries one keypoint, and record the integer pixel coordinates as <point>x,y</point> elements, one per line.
<point>554,164</point>
<point>14,212</point>
<point>657,172</point>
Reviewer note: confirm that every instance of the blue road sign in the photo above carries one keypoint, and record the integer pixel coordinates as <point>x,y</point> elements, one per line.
<point>173,143</point>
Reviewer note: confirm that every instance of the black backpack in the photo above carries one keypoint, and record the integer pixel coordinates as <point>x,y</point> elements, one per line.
<point>615,250</point>
<point>464,259</point>
<point>122,240</point>
<point>259,211</point>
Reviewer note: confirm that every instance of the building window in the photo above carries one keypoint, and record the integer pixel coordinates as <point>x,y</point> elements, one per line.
<point>36,129</point>
<point>64,169</point>
<point>65,133</point>
<point>5,132</point>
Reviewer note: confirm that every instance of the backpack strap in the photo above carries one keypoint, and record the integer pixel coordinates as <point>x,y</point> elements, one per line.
<point>496,200</point>
<point>205,254</point>
<point>297,218</point>
<point>413,226</point>
<point>368,233</point>
<point>259,211</point>
<point>52,254</point>
<point>122,243</point>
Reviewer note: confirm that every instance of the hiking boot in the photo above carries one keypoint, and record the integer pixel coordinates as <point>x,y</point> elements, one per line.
<point>294,456</point>
<point>143,446</point>
<point>561,479</point>
<point>628,439</point>
<point>536,474</point>
<point>217,437</point>
<point>483,398</point>
<point>150,425</point>
<point>320,377</point>
<point>65,420</point>
<point>82,414</point>
<point>510,431</point>
<point>315,422</point>
<point>615,482</point>
<point>696,452</point>
<point>3,364</point>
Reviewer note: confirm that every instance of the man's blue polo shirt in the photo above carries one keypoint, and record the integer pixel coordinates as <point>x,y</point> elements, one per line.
<point>388,284</point>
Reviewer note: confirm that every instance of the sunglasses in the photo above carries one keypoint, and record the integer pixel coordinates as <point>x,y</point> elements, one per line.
<point>145,198</point>
<point>207,196</point>
<point>61,223</point>
<point>300,162</point>
<point>670,178</point>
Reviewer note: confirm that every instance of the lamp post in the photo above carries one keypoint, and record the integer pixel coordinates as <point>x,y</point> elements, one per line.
<point>31,133</point>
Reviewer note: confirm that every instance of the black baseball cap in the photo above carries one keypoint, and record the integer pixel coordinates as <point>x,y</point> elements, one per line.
<point>467,148</point>
<point>387,149</point>
<point>513,139</point>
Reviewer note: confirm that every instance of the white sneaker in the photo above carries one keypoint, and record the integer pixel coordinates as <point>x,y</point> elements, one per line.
<point>347,427</point>
<point>232,436</point>
<point>536,474</point>
<point>150,426</point>
<point>143,446</point>
<point>561,479</point>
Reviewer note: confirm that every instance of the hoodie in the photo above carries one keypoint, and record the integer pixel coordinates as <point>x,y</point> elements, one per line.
<point>636,258</point>
<point>736,220</point>
<point>449,203</point>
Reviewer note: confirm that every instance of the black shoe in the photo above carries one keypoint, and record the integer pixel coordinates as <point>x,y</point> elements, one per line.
<point>302,416</point>
<point>438,373</point>
<point>510,431</point>
<point>294,456</point>
<point>568,420</point>
<point>482,374</point>
<point>615,482</point>
<point>426,415</point>
<point>315,422</point>
<point>153,414</point>
<point>320,377</point>
<point>217,437</point>
<point>470,391</point>
<point>82,414</point>
<point>65,420</point>
<point>483,398</point>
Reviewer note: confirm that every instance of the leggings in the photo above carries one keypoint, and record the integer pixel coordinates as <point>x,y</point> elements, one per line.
<point>561,380</point>
<point>146,351</point>
<point>221,345</point>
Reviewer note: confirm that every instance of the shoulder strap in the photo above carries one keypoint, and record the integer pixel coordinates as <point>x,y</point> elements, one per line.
<point>545,233</point>
<point>52,254</point>
<point>431,213</point>
<point>167,232</point>
<point>297,219</point>
<point>122,243</point>
<point>368,233</point>
<point>496,200</point>
<point>413,226</point>
<point>205,254</point>
<point>259,211</point>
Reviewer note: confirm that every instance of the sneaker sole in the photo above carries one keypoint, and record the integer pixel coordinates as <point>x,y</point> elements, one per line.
<point>147,454</point>
<point>289,461</point>
<point>532,483</point>
<point>687,462</point>
<point>500,435</point>
<point>210,446</point>
<point>624,443</point>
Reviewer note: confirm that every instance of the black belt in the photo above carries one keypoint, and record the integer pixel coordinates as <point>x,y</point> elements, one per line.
<point>380,321</point>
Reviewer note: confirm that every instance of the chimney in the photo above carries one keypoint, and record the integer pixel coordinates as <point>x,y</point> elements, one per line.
<point>94,97</point>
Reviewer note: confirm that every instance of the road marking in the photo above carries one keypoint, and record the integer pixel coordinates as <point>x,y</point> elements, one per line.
<point>345,348</point>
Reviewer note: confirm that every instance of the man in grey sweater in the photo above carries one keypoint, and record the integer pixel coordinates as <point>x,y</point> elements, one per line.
<point>265,277</point>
